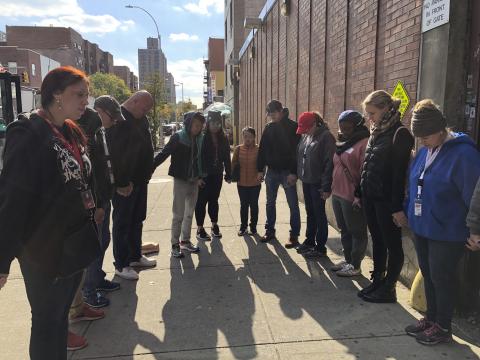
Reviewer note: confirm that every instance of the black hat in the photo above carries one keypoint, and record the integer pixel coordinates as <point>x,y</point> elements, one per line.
<point>274,106</point>
<point>427,121</point>
<point>110,105</point>
<point>214,116</point>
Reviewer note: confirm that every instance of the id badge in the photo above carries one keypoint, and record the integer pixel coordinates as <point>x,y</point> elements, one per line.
<point>87,198</point>
<point>418,207</point>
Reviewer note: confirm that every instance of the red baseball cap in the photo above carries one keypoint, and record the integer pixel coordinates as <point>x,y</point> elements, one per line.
<point>305,122</point>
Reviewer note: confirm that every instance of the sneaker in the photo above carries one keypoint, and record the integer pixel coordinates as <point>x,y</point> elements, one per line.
<point>96,300</point>
<point>127,273</point>
<point>75,342</point>
<point>386,293</point>
<point>187,245</point>
<point>304,248</point>
<point>176,252</point>
<point>434,335</point>
<point>242,231</point>
<point>108,286</point>
<point>292,242</point>
<point>144,262</point>
<point>349,271</point>
<point>202,235</point>
<point>88,314</point>
<point>339,266</point>
<point>377,280</point>
<point>314,254</point>
<point>269,236</point>
<point>216,231</point>
<point>419,327</point>
<point>253,230</point>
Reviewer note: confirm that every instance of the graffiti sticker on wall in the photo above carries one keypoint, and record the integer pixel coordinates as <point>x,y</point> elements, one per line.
<point>401,93</point>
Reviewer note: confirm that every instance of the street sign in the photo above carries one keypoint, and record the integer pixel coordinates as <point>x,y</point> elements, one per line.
<point>435,13</point>
<point>401,93</point>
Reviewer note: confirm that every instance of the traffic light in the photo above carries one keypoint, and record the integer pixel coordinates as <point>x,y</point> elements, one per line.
<point>25,78</point>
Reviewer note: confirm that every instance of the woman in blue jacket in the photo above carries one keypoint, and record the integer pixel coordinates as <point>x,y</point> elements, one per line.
<point>442,179</point>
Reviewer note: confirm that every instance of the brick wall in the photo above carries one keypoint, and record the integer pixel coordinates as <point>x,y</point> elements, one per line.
<point>327,55</point>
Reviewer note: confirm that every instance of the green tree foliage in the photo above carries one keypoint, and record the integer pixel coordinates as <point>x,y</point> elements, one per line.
<point>109,84</point>
<point>155,85</point>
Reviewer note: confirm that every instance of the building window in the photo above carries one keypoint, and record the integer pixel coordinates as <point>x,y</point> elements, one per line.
<point>12,67</point>
<point>33,69</point>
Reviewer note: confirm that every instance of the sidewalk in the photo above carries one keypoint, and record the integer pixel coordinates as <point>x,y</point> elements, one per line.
<point>237,299</point>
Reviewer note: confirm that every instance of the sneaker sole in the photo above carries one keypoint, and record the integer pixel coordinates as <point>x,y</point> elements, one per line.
<point>204,239</point>
<point>108,290</point>
<point>192,251</point>
<point>291,246</point>
<point>430,343</point>
<point>77,348</point>
<point>96,306</point>
<point>413,334</point>
<point>127,277</point>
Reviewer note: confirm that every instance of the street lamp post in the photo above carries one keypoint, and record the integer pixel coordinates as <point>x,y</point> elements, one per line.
<point>162,138</point>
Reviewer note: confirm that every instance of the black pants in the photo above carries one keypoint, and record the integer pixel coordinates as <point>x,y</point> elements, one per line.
<point>50,302</point>
<point>438,261</point>
<point>386,239</point>
<point>249,200</point>
<point>317,223</point>
<point>209,194</point>
<point>128,216</point>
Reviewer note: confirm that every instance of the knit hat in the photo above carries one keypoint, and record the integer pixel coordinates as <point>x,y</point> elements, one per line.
<point>274,106</point>
<point>214,116</point>
<point>427,120</point>
<point>350,115</point>
<point>110,105</point>
<point>305,122</point>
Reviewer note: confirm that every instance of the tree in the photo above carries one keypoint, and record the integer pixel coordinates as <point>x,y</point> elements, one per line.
<point>109,84</point>
<point>184,108</point>
<point>155,85</point>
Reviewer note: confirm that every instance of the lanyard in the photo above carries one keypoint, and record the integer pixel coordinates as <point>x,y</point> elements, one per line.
<point>107,156</point>
<point>308,141</point>
<point>72,147</point>
<point>431,156</point>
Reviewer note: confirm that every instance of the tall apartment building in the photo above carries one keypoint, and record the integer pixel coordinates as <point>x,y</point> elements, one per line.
<point>235,34</point>
<point>97,60</point>
<point>130,79</point>
<point>150,61</point>
<point>214,77</point>
<point>170,89</point>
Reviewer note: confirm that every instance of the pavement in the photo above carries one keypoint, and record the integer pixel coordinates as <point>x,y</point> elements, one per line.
<point>237,299</point>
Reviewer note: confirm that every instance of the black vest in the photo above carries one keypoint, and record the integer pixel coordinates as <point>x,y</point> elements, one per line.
<point>376,180</point>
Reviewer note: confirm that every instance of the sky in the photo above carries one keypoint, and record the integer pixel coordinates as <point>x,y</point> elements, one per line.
<point>184,26</point>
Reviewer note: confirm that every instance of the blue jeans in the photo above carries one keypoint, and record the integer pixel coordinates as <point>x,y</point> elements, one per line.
<point>50,301</point>
<point>95,275</point>
<point>273,180</point>
<point>128,216</point>
<point>438,262</point>
<point>317,224</point>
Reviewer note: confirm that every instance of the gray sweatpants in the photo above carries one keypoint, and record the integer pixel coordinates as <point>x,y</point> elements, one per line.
<point>185,195</point>
<point>353,230</point>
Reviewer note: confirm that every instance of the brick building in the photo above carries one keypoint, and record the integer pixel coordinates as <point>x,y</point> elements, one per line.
<point>124,73</point>
<point>214,77</point>
<point>150,61</point>
<point>97,60</point>
<point>327,55</point>
<point>235,34</point>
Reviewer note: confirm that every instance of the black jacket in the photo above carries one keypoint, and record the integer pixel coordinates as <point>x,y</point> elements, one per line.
<point>38,208</point>
<point>140,144</point>
<point>385,167</point>
<point>278,146</point>
<point>315,159</point>
<point>216,159</point>
<point>90,122</point>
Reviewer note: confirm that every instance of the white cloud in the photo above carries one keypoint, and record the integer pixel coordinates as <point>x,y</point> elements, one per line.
<point>183,37</point>
<point>190,72</point>
<point>65,13</point>
<point>125,62</point>
<point>178,8</point>
<point>202,7</point>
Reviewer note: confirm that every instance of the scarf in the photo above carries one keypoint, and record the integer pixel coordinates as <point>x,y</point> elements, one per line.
<point>184,134</point>
<point>361,132</point>
<point>389,119</point>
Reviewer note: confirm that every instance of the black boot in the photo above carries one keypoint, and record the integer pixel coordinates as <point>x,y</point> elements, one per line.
<point>386,293</point>
<point>377,280</point>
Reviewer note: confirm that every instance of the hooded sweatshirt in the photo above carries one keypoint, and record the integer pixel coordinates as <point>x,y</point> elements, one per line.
<point>186,162</point>
<point>448,186</point>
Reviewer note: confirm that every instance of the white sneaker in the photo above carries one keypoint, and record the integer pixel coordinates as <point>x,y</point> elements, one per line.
<point>144,262</point>
<point>339,266</point>
<point>127,273</point>
<point>349,271</point>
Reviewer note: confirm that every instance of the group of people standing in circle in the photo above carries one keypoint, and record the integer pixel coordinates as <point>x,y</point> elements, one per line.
<point>66,167</point>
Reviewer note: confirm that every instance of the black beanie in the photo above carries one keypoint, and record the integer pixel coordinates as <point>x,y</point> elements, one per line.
<point>427,121</point>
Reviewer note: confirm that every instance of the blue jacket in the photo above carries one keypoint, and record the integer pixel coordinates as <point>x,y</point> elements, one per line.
<point>448,187</point>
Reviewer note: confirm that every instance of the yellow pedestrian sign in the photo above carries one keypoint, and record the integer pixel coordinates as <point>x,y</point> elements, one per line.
<point>400,93</point>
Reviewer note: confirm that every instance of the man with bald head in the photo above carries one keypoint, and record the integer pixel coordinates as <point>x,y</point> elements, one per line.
<point>130,202</point>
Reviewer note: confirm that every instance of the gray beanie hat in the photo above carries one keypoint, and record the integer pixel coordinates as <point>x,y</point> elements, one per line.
<point>427,120</point>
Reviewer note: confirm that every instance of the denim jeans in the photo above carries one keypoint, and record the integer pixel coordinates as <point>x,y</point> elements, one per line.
<point>95,275</point>
<point>128,216</point>
<point>273,180</point>
<point>50,301</point>
<point>317,223</point>
<point>438,261</point>
<point>248,200</point>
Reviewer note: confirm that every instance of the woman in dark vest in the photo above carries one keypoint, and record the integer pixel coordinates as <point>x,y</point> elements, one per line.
<point>383,192</point>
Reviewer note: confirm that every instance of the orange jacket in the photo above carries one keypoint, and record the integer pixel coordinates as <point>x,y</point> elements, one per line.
<point>247,158</point>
